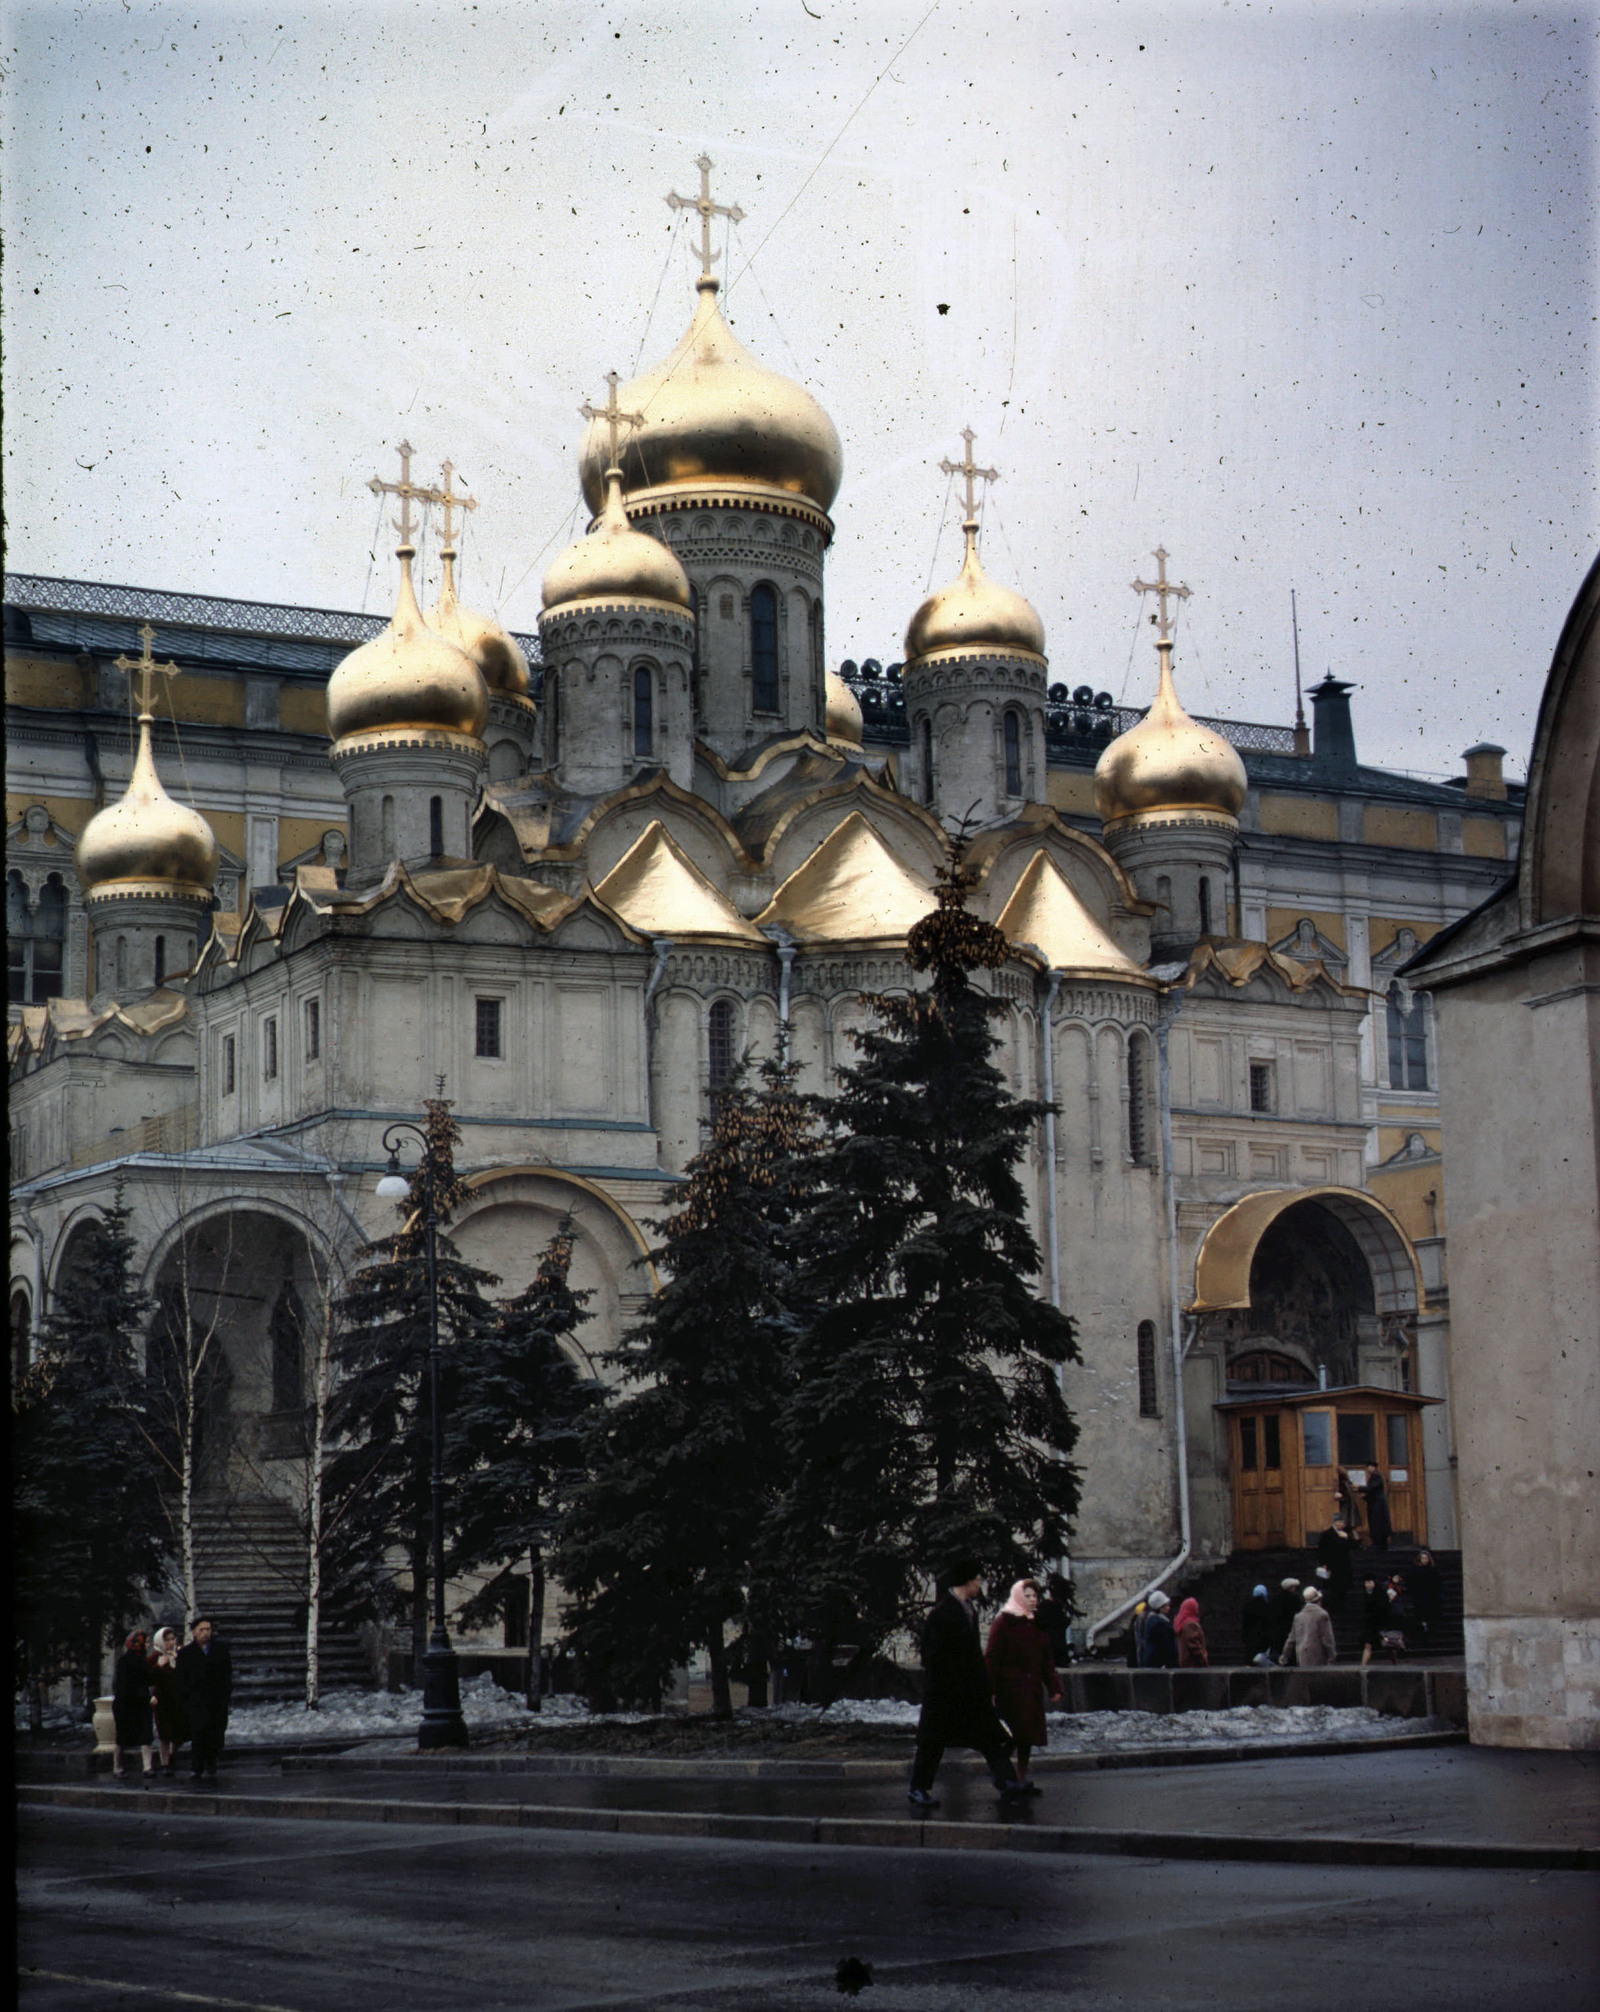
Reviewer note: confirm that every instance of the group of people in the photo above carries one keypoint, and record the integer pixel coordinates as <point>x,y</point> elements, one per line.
<point>992,1697</point>
<point>1275,1629</point>
<point>1166,1641</point>
<point>164,1697</point>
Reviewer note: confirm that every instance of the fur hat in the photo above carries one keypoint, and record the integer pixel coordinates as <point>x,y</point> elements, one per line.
<point>1291,1585</point>
<point>960,1572</point>
<point>1311,1593</point>
<point>1159,1600</point>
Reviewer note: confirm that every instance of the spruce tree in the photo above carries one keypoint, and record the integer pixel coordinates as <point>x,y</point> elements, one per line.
<point>663,1548</point>
<point>925,1415</point>
<point>89,1524</point>
<point>378,1481</point>
<point>515,1447</point>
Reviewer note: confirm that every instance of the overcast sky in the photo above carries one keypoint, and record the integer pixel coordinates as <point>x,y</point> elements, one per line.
<point>1306,292</point>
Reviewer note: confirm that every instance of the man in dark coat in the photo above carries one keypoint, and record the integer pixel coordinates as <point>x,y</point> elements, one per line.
<point>204,1672</point>
<point>1333,1556</point>
<point>1158,1646</point>
<point>957,1705</point>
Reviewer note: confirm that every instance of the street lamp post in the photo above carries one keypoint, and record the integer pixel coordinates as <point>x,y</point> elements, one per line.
<point>442,1723</point>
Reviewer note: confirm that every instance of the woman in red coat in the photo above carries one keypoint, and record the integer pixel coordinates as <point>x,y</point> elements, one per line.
<point>1023,1672</point>
<point>1192,1652</point>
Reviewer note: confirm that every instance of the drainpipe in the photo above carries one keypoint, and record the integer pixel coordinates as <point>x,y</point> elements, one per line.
<point>784,944</point>
<point>1170,1010</point>
<point>1054,1239</point>
<point>662,945</point>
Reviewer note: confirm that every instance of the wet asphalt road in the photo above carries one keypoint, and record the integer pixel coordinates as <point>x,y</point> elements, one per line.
<point>289,1916</point>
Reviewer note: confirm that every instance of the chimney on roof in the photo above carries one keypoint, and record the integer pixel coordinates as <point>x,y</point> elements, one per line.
<point>1484,775</point>
<point>1334,738</point>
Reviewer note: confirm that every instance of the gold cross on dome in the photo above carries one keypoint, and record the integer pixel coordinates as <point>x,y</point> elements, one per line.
<point>147,667</point>
<point>1161,587</point>
<point>708,209</point>
<point>449,502</point>
<point>406,490</point>
<point>972,472</point>
<point>614,416</point>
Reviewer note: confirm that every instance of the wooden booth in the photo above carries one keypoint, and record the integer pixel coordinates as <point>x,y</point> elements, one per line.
<point>1286,1450</point>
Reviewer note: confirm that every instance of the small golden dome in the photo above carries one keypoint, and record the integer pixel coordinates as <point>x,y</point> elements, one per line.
<point>407,676</point>
<point>494,651</point>
<point>843,719</point>
<point>616,563</point>
<point>146,837</point>
<point>1169,764</point>
<point>713,414</point>
<point>973,613</point>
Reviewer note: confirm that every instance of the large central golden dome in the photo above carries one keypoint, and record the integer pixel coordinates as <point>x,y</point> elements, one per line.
<point>713,414</point>
<point>1169,765</point>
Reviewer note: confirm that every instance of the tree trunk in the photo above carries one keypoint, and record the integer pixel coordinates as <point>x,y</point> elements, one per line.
<point>721,1697</point>
<point>756,1660</point>
<point>536,1629</point>
<point>319,1438</point>
<point>191,1597</point>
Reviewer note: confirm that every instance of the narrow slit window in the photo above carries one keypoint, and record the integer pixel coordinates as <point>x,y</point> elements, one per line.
<point>269,1050</point>
<point>1138,1111</point>
<point>764,650</point>
<point>1205,906</point>
<point>1149,1400</point>
<point>927,761</point>
<point>719,1044</point>
<point>313,1030</point>
<point>1261,1098</point>
<point>643,712</point>
<point>436,826</point>
<point>161,960</point>
<point>229,1072</point>
<point>488,1028</point>
<point>1013,755</point>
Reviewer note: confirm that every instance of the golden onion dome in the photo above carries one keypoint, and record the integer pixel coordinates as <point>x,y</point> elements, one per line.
<point>974,613</point>
<point>408,676</point>
<point>145,837</point>
<point>616,563</point>
<point>495,652</point>
<point>1169,764</point>
<point>713,414</point>
<point>843,717</point>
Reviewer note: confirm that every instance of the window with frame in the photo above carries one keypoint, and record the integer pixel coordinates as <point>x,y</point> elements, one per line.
<point>1261,1087</point>
<point>719,1044</point>
<point>1408,1039</point>
<point>926,737</point>
<point>488,1029</point>
<point>763,650</point>
<point>269,1050</point>
<point>161,960</point>
<point>1149,1396</point>
<point>313,1030</point>
<point>644,707</point>
<point>1138,1104</point>
<point>1013,731</point>
<point>229,1071</point>
<point>36,941</point>
<point>435,827</point>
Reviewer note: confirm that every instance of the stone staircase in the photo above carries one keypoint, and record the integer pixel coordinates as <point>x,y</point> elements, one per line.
<point>250,1571</point>
<point>1223,1591</point>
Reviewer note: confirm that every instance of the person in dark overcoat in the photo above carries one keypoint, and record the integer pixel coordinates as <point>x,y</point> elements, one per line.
<point>1159,1645</point>
<point>957,1705</point>
<point>1374,1617</point>
<point>1022,1670</point>
<point>1334,1547</point>
<point>1255,1626</point>
<point>1055,1616</point>
<point>1378,1524</point>
<point>1422,1583</point>
<point>205,1688</point>
<point>1285,1607</point>
<point>130,1705</point>
<point>172,1729</point>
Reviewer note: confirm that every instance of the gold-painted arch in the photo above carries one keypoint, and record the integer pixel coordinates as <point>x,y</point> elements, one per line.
<point>478,1183</point>
<point>1228,1248</point>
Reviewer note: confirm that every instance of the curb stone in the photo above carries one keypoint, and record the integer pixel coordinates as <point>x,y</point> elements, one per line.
<point>893,1833</point>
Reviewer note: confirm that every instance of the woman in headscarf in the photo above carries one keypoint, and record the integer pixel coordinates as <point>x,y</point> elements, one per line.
<point>171,1727</point>
<point>1192,1653</point>
<point>1255,1626</point>
<point>130,1704</point>
<point>1022,1672</point>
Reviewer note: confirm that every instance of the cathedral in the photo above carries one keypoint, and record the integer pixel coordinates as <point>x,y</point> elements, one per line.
<point>574,878</point>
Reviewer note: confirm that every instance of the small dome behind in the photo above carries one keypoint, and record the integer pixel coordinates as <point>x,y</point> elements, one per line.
<point>495,652</point>
<point>974,613</point>
<point>616,563</point>
<point>843,723</point>
<point>146,837</point>
<point>1169,764</point>
<point>409,675</point>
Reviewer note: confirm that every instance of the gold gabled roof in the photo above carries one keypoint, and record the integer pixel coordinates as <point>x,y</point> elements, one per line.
<point>656,887</point>
<point>1046,911</point>
<point>851,890</point>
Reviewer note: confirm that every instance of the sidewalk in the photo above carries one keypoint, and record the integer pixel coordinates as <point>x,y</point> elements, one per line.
<point>1404,1805</point>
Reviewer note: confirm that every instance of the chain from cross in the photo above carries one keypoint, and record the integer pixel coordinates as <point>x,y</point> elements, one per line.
<point>1162,587</point>
<point>708,209</point>
<point>973,473</point>
<point>614,416</point>
<point>147,667</point>
<point>449,502</point>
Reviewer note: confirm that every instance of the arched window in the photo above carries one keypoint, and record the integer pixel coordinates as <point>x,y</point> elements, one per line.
<point>1138,1104</point>
<point>161,960</point>
<point>643,712</point>
<point>719,1044</point>
<point>122,963</point>
<point>1408,1039</point>
<point>697,609</point>
<point>1149,1399</point>
<point>435,827</point>
<point>763,650</point>
<point>1205,906</point>
<point>21,1337</point>
<point>386,826</point>
<point>36,941</point>
<point>927,760</point>
<point>19,942</point>
<point>1013,755</point>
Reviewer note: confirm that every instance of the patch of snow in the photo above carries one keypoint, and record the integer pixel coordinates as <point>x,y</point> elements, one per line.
<point>1097,1732</point>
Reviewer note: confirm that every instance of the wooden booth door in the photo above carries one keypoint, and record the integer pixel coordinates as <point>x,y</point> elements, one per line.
<point>1259,1511</point>
<point>1402,1475</point>
<point>1319,1475</point>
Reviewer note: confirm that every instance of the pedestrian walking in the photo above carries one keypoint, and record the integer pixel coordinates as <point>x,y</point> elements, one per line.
<point>1023,1674</point>
<point>1374,1617</point>
<point>171,1727</point>
<point>1160,1650</point>
<point>1141,1614</point>
<point>957,1705</point>
<point>1333,1564</point>
<point>1255,1626</point>
<point>1378,1523</point>
<point>1191,1636</point>
<point>1312,1638</point>
<point>130,1705</point>
<point>1349,1504</point>
<point>205,1688</point>
<point>1422,1583</point>
<point>1285,1608</point>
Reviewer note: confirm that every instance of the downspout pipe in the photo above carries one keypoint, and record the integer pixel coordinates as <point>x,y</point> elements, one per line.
<point>784,944</point>
<point>1170,1009</point>
<point>662,946</point>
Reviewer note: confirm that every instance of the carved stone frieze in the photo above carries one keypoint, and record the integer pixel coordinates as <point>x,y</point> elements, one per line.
<point>1105,1002</point>
<point>744,972</point>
